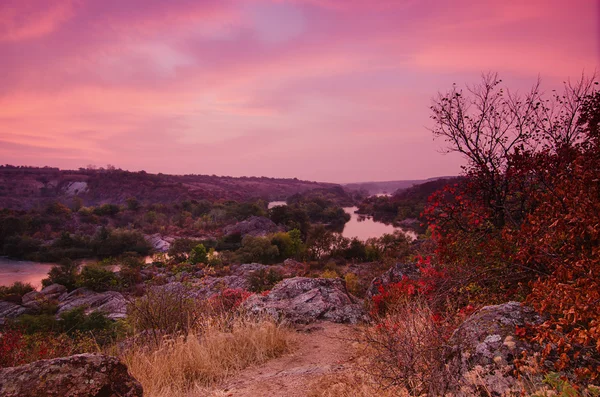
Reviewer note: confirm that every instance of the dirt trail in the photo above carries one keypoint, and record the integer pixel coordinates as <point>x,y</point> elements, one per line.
<point>323,348</point>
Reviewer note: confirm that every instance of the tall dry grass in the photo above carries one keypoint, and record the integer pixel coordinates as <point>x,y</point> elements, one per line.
<point>221,346</point>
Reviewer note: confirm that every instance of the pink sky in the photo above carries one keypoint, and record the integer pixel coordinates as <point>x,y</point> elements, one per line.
<point>328,90</point>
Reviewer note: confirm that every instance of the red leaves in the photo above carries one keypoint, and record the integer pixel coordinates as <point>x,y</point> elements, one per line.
<point>427,283</point>
<point>229,299</point>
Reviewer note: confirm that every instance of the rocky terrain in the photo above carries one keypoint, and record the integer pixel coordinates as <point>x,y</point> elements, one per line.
<point>325,315</point>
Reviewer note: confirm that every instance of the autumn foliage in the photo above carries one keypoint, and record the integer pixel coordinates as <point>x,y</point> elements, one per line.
<point>525,222</point>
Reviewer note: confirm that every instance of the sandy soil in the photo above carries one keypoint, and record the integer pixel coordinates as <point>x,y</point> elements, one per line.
<point>323,348</point>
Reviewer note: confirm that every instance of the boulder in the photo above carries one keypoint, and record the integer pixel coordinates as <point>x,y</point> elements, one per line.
<point>82,375</point>
<point>393,275</point>
<point>253,226</point>
<point>10,310</point>
<point>112,303</point>
<point>34,300</point>
<point>485,346</point>
<point>54,291</point>
<point>488,335</point>
<point>158,242</point>
<point>305,300</point>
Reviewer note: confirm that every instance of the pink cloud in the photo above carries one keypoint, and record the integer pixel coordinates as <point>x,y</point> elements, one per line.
<point>327,90</point>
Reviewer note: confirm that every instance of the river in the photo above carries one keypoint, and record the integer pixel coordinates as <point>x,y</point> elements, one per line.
<point>24,271</point>
<point>359,226</point>
<point>362,227</point>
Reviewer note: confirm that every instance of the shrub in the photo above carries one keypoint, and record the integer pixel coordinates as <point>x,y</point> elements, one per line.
<point>263,280</point>
<point>408,349</point>
<point>16,348</point>
<point>353,284</point>
<point>228,300</point>
<point>97,278</point>
<point>257,249</point>
<point>198,254</point>
<point>165,309</point>
<point>15,291</point>
<point>64,274</point>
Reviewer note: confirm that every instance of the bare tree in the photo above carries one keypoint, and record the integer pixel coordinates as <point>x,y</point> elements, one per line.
<point>489,124</point>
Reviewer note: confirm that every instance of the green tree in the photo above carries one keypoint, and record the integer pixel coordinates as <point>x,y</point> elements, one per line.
<point>199,254</point>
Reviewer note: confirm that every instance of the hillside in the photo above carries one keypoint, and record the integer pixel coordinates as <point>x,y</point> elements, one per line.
<point>28,187</point>
<point>388,187</point>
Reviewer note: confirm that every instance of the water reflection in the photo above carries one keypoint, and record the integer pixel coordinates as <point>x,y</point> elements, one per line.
<point>24,271</point>
<point>361,226</point>
<point>364,227</point>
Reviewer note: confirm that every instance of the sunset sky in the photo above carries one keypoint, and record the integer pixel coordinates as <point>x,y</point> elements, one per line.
<point>328,90</point>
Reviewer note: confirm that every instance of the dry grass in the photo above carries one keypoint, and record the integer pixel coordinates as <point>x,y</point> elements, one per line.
<point>185,366</point>
<point>350,383</point>
<point>407,349</point>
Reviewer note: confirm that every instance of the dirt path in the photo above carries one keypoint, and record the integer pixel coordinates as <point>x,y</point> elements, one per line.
<point>323,348</point>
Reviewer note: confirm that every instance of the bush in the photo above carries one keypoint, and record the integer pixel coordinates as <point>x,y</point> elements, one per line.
<point>97,278</point>
<point>166,309</point>
<point>408,349</point>
<point>198,254</point>
<point>64,274</point>
<point>15,291</point>
<point>257,249</point>
<point>263,280</point>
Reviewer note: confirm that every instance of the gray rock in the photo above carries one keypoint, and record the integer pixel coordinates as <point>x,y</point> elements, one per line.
<point>34,300</point>
<point>82,375</point>
<point>112,303</point>
<point>304,300</point>
<point>485,346</point>
<point>158,242</point>
<point>54,291</point>
<point>393,275</point>
<point>488,336</point>
<point>10,310</point>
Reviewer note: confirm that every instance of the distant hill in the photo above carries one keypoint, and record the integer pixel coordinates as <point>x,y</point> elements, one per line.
<point>389,187</point>
<point>28,187</point>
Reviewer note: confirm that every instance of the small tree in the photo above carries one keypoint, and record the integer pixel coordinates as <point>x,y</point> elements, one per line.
<point>198,254</point>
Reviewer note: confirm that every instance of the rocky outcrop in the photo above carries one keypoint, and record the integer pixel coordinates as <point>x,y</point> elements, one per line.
<point>393,275</point>
<point>35,300</point>
<point>305,300</point>
<point>111,303</point>
<point>253,226</point>
<point>82,375</point>
<point>159,243</point>
<point>10,310</point>
<point>486,345</point>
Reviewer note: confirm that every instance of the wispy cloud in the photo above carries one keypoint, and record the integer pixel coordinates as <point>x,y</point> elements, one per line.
<point>328,90</point>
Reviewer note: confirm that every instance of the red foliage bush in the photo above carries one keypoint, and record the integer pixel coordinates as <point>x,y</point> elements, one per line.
<point>17,348</point>
<point>229,299</point>
<point>396,293</point>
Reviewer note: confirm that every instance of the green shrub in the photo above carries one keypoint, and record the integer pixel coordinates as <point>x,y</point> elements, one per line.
<point>97,278</point>
<point>198,254</point>
<point>15,291</point>
<point>64,274</point>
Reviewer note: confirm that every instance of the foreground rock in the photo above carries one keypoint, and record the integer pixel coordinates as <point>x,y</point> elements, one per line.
<point>111,303</point>
<point>82,375</point>
<point>305,300</point>
<point>253,226</point>
<point>486,346</point>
